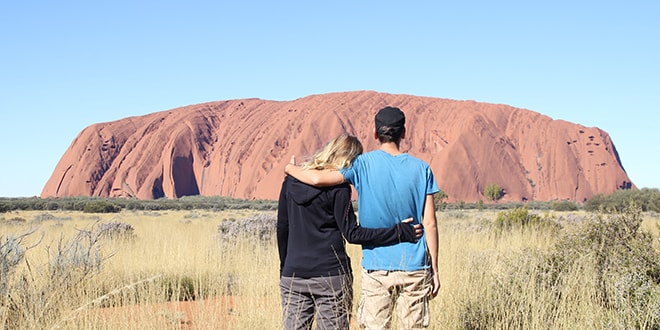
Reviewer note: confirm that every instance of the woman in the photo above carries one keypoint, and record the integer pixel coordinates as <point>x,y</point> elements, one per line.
<point>315,271</point>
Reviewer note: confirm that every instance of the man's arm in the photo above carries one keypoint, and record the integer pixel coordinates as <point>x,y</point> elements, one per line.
<point>431,231</point>
<point>315,178</point>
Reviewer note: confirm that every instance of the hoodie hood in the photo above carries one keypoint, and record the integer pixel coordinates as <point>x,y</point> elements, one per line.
<point>299,192</point>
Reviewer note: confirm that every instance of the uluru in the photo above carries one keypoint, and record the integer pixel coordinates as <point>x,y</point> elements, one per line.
<point>239,148</point>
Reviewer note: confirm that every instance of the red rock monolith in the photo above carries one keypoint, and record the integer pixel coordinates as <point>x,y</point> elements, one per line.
<point>239,148</point>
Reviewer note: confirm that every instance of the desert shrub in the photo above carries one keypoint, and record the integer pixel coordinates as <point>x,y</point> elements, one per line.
<point>27,302</point>
<point>509,301</point>
<point>98,204</point>
<point>571,219</point>
<point>480,205</point>
<point>51,206</point>
<point>561,206</point>
<point>15,221</point>
<point>440,200</point>
<point>73,205</point>
<point>12,252</point>
<point>80,254</point>
<point>115,230</point>
<point>44,217</point>
<point>646,198</point>
<point>179,288</point>
<point>260,226</point>
<point>457,214</point>
<point>191,216</point>
<point>5,207</point>
<point>152,206</point>
<point>493,192</point>
<point>607,268</point>
<point>101,206</point>
<point>521,218</point>
<point>262,205</point>
<point>627,267</point>
<point>133,205</point>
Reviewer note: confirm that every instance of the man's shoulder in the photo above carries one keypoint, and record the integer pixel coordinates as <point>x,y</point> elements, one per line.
<point>370,153</point>
<point>379,155</point>
<point>416,159</point>
<point>366,157</point>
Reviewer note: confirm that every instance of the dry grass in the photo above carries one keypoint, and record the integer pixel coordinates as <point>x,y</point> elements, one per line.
<point>235,283</point>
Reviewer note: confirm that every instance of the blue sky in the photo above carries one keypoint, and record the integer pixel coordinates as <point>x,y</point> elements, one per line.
<point>65,65</point>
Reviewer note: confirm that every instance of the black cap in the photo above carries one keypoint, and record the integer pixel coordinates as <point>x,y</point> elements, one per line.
<point>390,117</point>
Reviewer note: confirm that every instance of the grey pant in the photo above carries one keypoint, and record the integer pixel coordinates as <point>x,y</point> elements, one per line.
<point>328,298</point>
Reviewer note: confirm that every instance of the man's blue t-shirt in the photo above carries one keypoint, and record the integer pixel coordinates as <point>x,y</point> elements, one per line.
<point>390,189</point>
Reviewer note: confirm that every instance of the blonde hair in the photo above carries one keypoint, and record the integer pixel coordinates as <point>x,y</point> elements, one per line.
<point>336,154</point>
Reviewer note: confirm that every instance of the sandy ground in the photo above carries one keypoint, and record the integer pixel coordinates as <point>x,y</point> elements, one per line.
<point>214,313</point>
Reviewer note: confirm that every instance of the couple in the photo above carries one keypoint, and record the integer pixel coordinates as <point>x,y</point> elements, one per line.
<point>398,269</point>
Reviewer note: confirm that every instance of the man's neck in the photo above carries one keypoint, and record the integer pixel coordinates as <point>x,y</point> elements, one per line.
<point>391,148</point>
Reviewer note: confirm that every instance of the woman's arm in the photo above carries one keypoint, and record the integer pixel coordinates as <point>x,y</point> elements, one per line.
<point>354,233</point>
<point>317,178</point>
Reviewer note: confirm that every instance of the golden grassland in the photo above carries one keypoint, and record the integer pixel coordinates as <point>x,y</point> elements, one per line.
<point>235,283</point>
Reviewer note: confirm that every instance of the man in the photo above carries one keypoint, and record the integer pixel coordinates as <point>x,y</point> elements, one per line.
<point>391,185</point>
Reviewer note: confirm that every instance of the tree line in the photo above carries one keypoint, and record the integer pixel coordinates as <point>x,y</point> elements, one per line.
<point>648,199</point>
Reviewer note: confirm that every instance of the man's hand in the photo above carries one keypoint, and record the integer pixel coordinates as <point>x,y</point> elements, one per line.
<point>416,227</point>
<point>435,285</point>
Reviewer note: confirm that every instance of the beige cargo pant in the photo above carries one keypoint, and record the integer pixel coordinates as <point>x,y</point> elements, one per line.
<point>384,291</point>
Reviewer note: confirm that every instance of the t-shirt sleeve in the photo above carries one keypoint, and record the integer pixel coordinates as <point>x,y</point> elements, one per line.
<point>349,174</point>
<point>431,185</point>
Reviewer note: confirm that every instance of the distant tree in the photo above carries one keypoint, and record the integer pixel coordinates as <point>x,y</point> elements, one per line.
<point>440,200</point>
<point>480,205</point>
<point>493,192</point>
<point>648,199</point>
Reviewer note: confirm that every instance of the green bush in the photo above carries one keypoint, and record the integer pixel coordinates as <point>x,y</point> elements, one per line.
<point>560,206</point>
<point>15,220</point>
<point>521,218</point>
<point>647,199</point>
<point>261,227</point>
<point>607,264</point>
<point>493,192</point>
<point>115,230</point>
<point>507,302</point>
<point>101,206</point>
<point>28,304</point>
<point>440,200</point>
<point>5,207</point>
<point>179,288</point>
<point>627,266</point>
<point>12,252</point>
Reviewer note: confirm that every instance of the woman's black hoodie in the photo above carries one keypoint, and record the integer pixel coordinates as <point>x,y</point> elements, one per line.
<point>312,223</point>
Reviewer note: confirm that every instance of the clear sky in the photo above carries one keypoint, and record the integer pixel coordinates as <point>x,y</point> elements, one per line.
<point>65,65</point>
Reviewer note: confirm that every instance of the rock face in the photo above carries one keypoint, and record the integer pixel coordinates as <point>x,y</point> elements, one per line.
<point>239,148</point>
